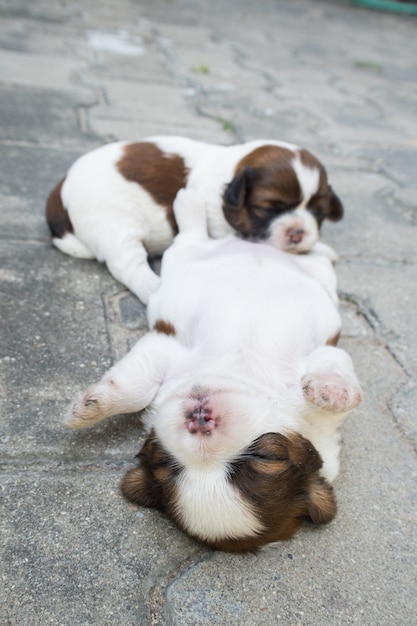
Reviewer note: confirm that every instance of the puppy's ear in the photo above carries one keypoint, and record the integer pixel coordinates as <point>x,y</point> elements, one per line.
<point>237,190</point>
<point>141,485</point>
<point>303,454</point>
<point>321,505</point>
<point>235,201</point>
<point>334,208</point>
<point>138,487</point>
<point>321,500</point>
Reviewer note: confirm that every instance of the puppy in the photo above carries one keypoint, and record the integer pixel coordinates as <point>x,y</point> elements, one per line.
<point>244,386</point>
<point>115,203</point>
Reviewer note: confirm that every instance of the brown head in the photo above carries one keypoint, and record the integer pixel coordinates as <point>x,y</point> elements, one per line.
<point>262,496</point>
<point>275,184</point>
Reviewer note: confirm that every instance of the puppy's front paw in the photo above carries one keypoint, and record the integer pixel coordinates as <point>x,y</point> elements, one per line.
<point>331,392</point>
<point>190,210</point>
<point>148,286</point>
<point>325,250</point>
<point>84,411</point>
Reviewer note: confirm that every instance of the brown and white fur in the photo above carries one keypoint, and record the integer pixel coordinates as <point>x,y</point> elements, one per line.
<point>244,387</point>
<point>115,203</point>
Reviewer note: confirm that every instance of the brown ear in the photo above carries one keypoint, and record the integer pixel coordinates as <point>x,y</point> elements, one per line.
<point>237,190</point>
<point>138,487</point>
<point>303,454</point>
<point>151,483</point>
<point>321,505</point>
<point>321,501</point>
<point>235,199</point>
<point>334,209</point>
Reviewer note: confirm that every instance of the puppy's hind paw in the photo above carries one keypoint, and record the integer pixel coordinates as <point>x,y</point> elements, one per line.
<point>83,412</point>
<point>331,392</point>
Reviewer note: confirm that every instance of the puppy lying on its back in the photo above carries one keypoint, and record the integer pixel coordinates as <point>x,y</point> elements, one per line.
<point>115,203</point>
<point>245,388</point>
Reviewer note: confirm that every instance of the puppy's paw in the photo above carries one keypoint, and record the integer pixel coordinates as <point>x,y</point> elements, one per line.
<point>190,211</point>
<point>85,411</point>
<point>325,250</point>
<point>331,392</point>
<point>147,286</point>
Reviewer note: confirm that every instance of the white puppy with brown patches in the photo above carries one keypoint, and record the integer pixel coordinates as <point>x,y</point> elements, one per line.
<point>244,385</point>
<point>115,203</point>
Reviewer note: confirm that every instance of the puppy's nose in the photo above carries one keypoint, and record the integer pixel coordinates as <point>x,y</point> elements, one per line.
<point>295,235</point>
<point>200,420</point>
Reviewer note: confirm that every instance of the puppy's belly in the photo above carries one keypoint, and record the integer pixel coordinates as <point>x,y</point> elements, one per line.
<point>248,295</point>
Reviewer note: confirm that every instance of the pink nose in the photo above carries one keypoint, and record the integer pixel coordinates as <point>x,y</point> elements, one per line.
<point>200,419</point>
<point>295,235</point>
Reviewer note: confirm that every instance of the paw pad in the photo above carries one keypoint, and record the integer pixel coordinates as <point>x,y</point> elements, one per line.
<point>331,392</point>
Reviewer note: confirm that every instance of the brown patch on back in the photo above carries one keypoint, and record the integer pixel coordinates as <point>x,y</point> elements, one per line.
<point>161,326</point>
<point>57,217</point>
<point>161,174</point>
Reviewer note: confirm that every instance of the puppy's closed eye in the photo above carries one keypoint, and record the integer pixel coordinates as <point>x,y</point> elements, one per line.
<point>275,466</point>
<point>267,455</point>
<point>292,448</point>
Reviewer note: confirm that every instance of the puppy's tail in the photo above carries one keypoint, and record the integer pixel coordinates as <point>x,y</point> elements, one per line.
<point>61,228</point>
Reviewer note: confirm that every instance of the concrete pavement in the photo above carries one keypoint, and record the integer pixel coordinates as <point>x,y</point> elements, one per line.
<point>342,82</point>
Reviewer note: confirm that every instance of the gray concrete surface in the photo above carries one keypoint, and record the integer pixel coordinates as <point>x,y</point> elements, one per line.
<point>339,80</point>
